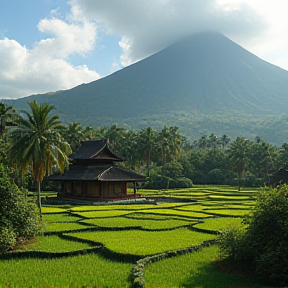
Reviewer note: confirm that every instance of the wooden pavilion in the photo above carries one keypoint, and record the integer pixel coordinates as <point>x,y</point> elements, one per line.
<point>94,174</point>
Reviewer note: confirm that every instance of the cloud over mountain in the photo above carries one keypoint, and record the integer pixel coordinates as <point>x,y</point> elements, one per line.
<point>149,26</point>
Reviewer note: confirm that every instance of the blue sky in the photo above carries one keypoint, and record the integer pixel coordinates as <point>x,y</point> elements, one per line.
<point>49,45</point>
<point>21,24</point>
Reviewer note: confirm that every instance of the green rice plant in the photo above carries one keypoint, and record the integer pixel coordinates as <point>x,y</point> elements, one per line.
<point>191,197</point>
<point>235,206</point>
<point>146,216</point>
<point>55,244</point>
<point>102,214</point>
<point>172,212</point>
<point>56,227</point>
<point>50,218</point>
<point>225,198</point>
<point>219,203</point>
<point>70,272</point>
<point>194,207</point>
<point>142,243</point>
<point>154,217</point>
<point>229,193</point>
<point>228,212</point>
<point>212,204</point>
<point>106,207</point>
<point>216,224</point>
<point>53,209</point>
<point>128,207</point>
<point>161,205</point>
<point>193,194</point>
<point>195,269</point>
<point>147,191</point>
<point>130,222</point>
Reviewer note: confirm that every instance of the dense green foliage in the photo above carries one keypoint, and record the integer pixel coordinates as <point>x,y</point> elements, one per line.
<point>170,160</point>
<point>5,117</point>
<point>18,216</point>
<point>263,243</point>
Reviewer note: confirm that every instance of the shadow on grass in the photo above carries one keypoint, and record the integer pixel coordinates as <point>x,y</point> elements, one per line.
<point>210,276</point>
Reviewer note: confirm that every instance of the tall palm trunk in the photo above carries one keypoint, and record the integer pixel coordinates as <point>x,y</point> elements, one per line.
<point>39,196</point>
<point>149,162</point>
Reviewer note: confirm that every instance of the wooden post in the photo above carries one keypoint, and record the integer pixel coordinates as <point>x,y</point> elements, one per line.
<point>135,190</point>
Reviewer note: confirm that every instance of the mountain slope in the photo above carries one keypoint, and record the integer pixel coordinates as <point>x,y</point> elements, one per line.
<point>203,74</point>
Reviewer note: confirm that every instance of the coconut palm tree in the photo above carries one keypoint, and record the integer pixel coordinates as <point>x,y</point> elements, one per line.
<point>37,143</point>
<point>147,145</point>
<point>238,156</point>
<point>170,141</point>
<point>74,134</point>
<point>4,116</point>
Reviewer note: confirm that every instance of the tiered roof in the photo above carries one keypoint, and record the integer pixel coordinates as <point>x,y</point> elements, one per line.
<point>94,150</point>
<point>94,161</point>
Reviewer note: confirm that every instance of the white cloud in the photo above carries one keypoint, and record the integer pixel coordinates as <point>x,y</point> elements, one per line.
<point>45,67</point>
<point>67,38</point>
<point>148,26</point>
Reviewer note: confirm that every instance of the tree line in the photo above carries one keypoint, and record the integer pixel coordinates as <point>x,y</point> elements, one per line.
<point>170,160</point>
<point>38,143</point>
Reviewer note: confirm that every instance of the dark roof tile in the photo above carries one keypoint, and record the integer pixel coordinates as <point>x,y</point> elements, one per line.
<point>98,172</point>
<point>92,148</point>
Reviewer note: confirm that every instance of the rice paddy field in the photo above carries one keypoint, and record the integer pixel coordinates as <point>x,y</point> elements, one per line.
<point>165,241</point>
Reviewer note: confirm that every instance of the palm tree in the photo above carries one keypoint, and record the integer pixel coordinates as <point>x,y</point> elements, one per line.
<point>203,142</point>
<point>74,134</point>
<point>37,144</point>
<point>115,136</point>
<point>213,141</point>
<point>224,141</point>
<point>147,145</point>
<point>4,115</point>
<point>238,156</point>
<point>170,141</point>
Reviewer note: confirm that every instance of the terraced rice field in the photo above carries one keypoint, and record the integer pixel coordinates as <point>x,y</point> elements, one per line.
<point>103,245</point>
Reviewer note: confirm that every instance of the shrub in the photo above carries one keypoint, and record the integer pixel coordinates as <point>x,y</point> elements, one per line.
<point>19,219</point>
<point>181,182</point>
<point>215,176</point>
<point>274,262</point>
<point>229,242</point>
<point>7,238</point>
<point>169,176</point>
<point>264,243</point>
